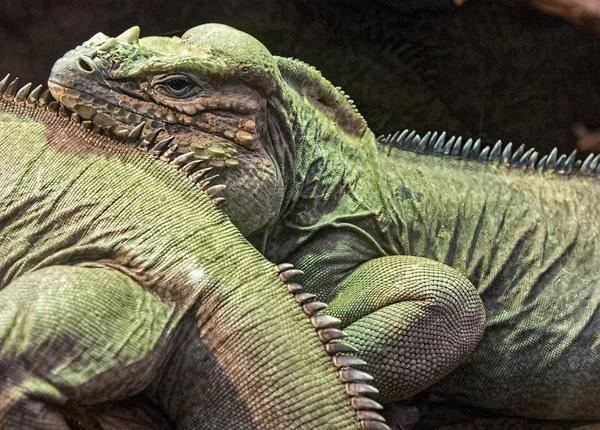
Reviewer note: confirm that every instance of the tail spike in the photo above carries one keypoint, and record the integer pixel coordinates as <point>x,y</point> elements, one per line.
<point>339,347</point>
<point>474,153</point>
<point>541,165</point>
<point>585,167</point>
<point>312,308</point>
<point>525,157</point>
<point>324,321</point>
<point>4,83</point>
<point>34,95</point>
<point>182,159</point>
<point>516,157</point>
<point>304,298</point>
<point>215,189</point>
<point>449,145</point>
<point>22,94</point>
<point>283,267</point>
<point>352,375</point>
<point>483,155</point>
<point>357,388</point>
<point>329,334</point>
<point>295,288</point>
<point>551,162</point>
<point>439,144</point>
<point>424,142</point>
<point>560,163</point>
<point>495,152</point>
<point>506,154</point>
<point>169,153</point>
<point>466,151</point>
<point>162,145</point>
<point>191,166</point>
<point>369,415</point>
<point>570,162</point>
<point>594,163</point>
<point>45,99</point>
<point>347,361</point>
<point>135,133</point>
<point>205,183</point>
<point>197,176</point>
<point>364,403</point>
<point>415,141</point>
<point>409,138</point>
<point>290,274</point>
<point>11,89</point>
<point>399,140</point>
<point>532,160</point>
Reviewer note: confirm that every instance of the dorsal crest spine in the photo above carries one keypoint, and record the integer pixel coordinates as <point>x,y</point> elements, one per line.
<point>440,145</point>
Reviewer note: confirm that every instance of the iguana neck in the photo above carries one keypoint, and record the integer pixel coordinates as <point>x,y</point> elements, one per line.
<point>330,166</point>
<point>254,354</point>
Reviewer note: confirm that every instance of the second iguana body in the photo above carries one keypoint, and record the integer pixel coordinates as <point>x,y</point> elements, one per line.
<point>118,276</point>
<point>418,242</point>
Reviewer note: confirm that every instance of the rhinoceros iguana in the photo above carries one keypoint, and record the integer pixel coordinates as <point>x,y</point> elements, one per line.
<point>419,242</point>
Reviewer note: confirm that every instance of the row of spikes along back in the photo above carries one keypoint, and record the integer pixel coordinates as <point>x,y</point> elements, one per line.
<point>355,381</point>
<point>526,160</point>
<point>344,360</point>
<point>163,149</point>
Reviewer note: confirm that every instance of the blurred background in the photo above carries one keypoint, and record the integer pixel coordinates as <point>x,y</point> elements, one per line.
<point>486,68</point>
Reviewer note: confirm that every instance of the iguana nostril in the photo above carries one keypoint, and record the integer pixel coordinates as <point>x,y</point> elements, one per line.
<point>86,64</point>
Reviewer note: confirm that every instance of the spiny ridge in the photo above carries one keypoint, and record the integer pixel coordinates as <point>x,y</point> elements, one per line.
<point>323,92</point>
<point>355,381</point>
<point>165,149</point>
<point>441,145</point>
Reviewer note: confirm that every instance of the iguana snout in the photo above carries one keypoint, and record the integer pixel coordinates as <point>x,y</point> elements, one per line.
<point>208,89</point>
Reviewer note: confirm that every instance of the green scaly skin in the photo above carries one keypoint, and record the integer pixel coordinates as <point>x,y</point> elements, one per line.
<point>118,276</point>
<point>407,247</point>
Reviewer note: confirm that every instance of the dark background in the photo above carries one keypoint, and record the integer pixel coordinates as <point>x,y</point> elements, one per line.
<point>484,69</point>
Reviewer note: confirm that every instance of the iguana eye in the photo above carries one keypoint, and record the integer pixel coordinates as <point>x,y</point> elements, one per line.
<point>176,86</point>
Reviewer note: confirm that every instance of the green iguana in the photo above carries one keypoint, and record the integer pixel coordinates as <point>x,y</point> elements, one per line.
<point>407,235</point>
<point>118,276</point>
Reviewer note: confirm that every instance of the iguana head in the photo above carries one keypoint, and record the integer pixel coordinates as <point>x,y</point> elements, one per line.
<point>224,98</point>
<point>212,89</point>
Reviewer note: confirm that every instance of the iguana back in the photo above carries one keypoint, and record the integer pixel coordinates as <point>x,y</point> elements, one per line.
<point>119,276</point>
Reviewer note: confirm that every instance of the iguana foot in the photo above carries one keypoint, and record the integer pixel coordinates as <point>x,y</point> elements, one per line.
<point>94,334</point>
<point>413,320</point>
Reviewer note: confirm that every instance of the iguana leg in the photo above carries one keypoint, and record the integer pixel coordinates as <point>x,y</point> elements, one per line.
<point>412,319</point>
<point>74,334</point>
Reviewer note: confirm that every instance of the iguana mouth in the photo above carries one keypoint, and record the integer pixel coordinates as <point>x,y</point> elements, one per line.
<point>99,114</point>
